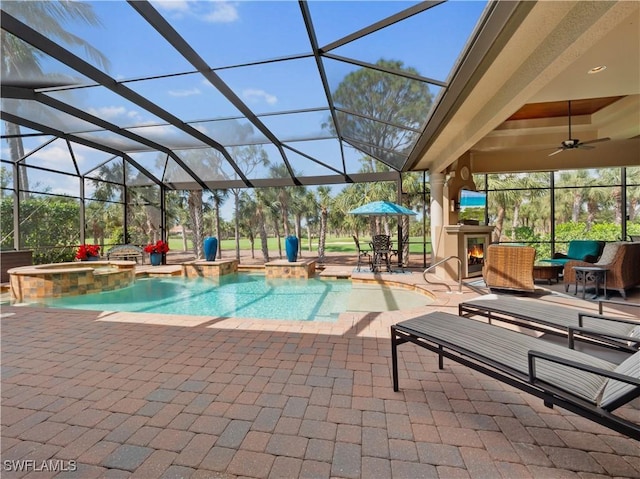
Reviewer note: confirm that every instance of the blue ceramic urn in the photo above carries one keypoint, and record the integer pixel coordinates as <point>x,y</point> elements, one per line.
<point>156,259</point>
<point>291,245</point>
<point>210,246</point>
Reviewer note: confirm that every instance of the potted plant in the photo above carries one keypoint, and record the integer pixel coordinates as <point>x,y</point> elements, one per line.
<point>88,252</point>
<point>156,250</point>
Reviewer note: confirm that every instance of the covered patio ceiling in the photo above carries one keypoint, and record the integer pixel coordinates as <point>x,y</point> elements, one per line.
<point>187,90</point>
<point>512,112</point>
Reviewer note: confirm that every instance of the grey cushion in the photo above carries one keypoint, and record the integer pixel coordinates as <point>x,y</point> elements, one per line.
<point>508,350</point>
<point>608,254</point>
<point>547,313</point>
<point>614,390</point>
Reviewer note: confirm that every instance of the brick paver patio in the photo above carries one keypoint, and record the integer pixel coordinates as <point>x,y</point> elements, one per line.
<point>134,395</point>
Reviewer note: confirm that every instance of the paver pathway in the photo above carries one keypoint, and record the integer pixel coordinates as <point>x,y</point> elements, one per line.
<point>121,395</point>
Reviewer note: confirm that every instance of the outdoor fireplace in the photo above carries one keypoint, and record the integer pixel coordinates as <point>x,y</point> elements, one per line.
<point>467,242</point>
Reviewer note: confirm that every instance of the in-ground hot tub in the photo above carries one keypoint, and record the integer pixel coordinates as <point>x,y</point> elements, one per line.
<point>67,279</point>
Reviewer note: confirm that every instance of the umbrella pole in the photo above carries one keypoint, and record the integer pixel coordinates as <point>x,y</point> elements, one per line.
<point>399,201</point>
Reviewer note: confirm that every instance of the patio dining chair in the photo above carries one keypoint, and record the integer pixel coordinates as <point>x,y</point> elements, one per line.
<point>382,252</point>
<point>362,253</point>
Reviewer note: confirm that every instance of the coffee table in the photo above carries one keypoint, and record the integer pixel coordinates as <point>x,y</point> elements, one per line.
<point>546,271</point>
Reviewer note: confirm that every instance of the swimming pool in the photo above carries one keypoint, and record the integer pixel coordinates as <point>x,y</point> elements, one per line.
<point>247,296</point>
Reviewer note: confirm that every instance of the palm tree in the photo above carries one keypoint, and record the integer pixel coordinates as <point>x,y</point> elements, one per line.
<point>247,219</point>
<point>248,158</point>
<point>283,196</point>
<point>529,185</point>
<point>310,208</point>
<point>574,196</point>
<point>274,215</point>
<point>324,200</point>
<point>501,200</point>
<point>612,176</point>
<point>298,208</point>
<point>21,61</point>
<point>377,191</point>
<point>218,197</point>
<point>597,199</point>
<point>412,188</point>
<point>261,215</point>
<point>633,193</point>
<point>211,160</point>
<point>177,214</point>
<point>105,212</point>
<point>195,205</point>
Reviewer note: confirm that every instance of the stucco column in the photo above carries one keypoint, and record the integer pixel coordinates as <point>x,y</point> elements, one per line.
<point>436,180</point>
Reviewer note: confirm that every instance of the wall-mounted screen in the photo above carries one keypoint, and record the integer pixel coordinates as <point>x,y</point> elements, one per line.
<point>472,206</point>
<point>472,199</point>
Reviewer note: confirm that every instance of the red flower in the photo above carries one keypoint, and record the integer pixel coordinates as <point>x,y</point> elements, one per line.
<point>87,250</point>
<point>157,247</point>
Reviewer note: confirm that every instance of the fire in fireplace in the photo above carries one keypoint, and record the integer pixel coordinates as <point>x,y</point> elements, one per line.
<point>475,255</point>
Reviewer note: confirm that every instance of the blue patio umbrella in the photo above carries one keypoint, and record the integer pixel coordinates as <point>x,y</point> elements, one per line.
<point>382,208</point>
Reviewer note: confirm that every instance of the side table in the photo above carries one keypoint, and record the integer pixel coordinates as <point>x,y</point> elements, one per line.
<point>547,271</point>
<point>591,274</point>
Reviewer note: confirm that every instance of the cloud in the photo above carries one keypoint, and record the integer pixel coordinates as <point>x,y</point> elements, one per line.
<point>114,113</point>
<point>58,155</point>
<point>223,12</point>
<point>172,5</point>
<point>182,93</point>
<point>108,112</point>
<point>254,95</point>
<point>218,11</point>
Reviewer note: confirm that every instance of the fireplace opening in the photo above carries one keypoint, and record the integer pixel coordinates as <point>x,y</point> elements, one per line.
<point>475,255</point>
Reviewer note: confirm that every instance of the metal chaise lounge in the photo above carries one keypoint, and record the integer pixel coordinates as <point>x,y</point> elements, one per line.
<point>550,318</point>
<point>583,384</point>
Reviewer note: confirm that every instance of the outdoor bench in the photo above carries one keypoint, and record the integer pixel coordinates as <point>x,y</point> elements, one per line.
<point>128,252</point>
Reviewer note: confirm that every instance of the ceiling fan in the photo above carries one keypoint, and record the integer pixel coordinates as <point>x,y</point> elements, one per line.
<point>574,143</point>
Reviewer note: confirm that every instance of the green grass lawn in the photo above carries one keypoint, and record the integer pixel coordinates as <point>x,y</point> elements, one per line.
<point>333,244</point>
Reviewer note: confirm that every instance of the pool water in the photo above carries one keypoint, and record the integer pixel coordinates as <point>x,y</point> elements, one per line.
<point>246,296</point>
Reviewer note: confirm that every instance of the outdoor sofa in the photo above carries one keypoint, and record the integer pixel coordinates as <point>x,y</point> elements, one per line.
<point>551,318</point>
<point>622,261</point>
<point>583,384</point>
<point>581,250</point>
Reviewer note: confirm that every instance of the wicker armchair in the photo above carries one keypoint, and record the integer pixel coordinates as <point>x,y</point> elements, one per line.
<point>622,260</point>
<point>509,267</point>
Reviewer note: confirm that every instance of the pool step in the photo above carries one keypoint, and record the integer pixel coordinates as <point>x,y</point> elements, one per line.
<point>338,272</point>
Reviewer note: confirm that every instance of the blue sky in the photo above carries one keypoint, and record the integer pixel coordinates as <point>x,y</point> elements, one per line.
<point>228,33</point>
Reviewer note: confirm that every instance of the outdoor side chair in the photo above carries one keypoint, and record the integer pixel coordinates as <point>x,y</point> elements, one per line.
<point>362,253</point>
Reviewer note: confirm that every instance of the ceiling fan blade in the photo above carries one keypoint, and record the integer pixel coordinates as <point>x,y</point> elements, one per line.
<point>559,150</point>
<point>595,141</point>
<point>583,146</point>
